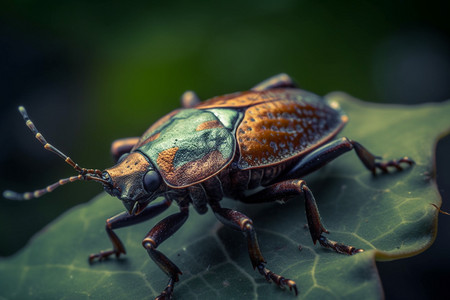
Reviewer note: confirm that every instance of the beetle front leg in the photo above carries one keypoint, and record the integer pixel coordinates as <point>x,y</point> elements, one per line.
<point>289,188</point>
<point>122,220</point>
<point>241,222</point>
<point>158,234</point>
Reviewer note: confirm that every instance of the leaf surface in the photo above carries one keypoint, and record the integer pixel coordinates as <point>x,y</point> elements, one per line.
<point>389,215</point>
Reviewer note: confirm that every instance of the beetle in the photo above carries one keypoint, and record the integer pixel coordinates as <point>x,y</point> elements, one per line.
<point>268,137</point>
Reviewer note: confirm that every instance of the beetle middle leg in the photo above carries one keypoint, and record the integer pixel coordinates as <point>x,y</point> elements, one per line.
<point>293,187</point>
<point>122,220</point>
<point>241,222</point>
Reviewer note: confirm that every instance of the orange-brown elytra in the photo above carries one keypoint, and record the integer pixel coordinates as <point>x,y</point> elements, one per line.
<point>270,136</point>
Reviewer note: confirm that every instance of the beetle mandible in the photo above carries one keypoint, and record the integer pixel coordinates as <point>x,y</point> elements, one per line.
<point>270,137</point>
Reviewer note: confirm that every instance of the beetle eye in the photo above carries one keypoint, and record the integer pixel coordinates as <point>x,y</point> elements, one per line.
<point>152,180</point>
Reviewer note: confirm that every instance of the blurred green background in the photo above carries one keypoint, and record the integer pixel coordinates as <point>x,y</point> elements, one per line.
<point>91,72</point>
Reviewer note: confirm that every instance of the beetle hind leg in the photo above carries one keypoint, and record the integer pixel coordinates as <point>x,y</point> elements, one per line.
<point>241,222</point>
<point>332,150</point>
<point>293,187</point>
<point>373,162</point>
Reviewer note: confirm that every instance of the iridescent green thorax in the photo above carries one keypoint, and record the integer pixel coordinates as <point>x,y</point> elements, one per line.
<point>192,145</point>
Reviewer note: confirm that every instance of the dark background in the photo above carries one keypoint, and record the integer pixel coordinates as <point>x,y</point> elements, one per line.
<point>89,73</point>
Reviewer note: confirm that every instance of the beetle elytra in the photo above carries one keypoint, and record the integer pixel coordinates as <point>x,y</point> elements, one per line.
<point>270,136</point>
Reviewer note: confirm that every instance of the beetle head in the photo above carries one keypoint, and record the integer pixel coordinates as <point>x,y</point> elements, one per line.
<point>134,181</point>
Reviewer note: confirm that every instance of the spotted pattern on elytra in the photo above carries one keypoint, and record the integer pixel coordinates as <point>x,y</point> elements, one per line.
<point>243,99</point>
<point>275,131</point>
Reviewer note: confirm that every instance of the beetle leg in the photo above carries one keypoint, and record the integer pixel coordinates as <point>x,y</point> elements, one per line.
<point>289,188</point>
<point>189,99</point>
<point>241,222</point>
<point>369,160</point>
<point>158,234</point>
<point>278,81</point>
<point>328,152</point>
<point>122,146</point>
<point>122,220</point>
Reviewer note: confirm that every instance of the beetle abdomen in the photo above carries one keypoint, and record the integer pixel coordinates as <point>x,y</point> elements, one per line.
<point>273,132</point>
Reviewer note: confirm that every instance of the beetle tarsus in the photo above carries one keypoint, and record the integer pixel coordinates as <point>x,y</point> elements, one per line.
<point>371,163</point>
<point>118,247</point>
<point>277,279</point>
<point>103,255</point>
<point>383,166</point>
<point>168,291</point>
<point>338,247</point>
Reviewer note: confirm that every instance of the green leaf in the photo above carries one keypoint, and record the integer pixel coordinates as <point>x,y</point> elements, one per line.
<point>389,215</point>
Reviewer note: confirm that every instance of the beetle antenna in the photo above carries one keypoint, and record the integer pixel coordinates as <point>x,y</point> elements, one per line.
<point>84,174</point>
<point>38,193</point>
<point>52,148</point>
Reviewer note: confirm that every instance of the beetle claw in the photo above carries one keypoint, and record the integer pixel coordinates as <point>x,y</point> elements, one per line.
<point>103,255</point>
<point>396,163</point>
<point>338,247</point>
<point>278,279</point>
<point>168,291</point>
